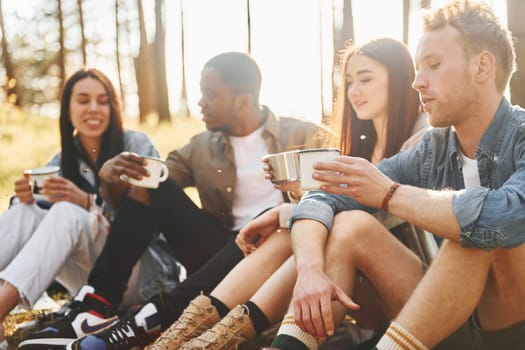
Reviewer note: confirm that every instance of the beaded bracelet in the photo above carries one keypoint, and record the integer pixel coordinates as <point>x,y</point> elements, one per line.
<point>389,195</point>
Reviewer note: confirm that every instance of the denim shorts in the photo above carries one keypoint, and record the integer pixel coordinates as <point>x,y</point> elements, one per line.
<point>471,337</point>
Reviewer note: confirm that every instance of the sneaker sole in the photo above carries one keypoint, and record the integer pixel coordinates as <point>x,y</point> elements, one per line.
<point>45,343</point>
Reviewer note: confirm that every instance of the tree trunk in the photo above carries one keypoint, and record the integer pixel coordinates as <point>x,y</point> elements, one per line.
<point>342,35</point>
<point>117,56</point>
<point>249,23</point>
<point>10,85</point>
<point>143,71</point>
<point>346,31</point>
<point>82,32</point>
<point>61,60</point>
<point>515,10</point>
<point>406,19</point>
<point>163,103</point>
<point>184,105</point>
<point>321,60</point>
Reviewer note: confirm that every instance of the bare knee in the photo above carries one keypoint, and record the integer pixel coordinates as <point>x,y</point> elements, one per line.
<point>352,226</point>
<point>354,232</point>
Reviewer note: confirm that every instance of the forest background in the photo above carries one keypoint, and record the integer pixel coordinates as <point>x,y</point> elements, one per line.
<point>153,50</point>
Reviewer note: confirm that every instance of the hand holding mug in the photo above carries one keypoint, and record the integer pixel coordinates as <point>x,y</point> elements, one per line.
<point>59,189</point>
<point>156,172</point>
<point>37,178</point>
<point>282,169</point>
<point>23,190</point>
<point>354,177</point>
<point>126,165</point>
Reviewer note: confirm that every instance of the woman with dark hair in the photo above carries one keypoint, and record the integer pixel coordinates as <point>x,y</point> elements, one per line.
<point>61,236</point>
<point>376,115</point>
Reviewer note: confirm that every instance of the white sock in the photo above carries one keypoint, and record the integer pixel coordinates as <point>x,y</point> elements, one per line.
<point>398,338</point>
<point>290,328</point>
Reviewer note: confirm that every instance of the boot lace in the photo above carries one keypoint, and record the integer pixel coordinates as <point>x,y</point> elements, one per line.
<point>184,322</point>
<point>224,329</point>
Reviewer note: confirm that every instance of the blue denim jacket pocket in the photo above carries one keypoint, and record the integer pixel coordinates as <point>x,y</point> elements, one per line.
<point>484,239</point>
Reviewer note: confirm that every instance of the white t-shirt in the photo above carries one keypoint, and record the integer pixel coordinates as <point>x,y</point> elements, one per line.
<point>470,171</point>
<point>248,152</point>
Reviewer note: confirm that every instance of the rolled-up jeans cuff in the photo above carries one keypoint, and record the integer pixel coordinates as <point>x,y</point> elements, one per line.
<point>314,210</point>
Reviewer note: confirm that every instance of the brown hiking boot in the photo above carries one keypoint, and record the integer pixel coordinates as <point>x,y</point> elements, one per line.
<point>199,316</point>
<point>233,330</point>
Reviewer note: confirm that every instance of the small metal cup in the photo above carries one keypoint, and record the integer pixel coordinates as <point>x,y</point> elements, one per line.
<point>307,158</point>
<point>285,166</point>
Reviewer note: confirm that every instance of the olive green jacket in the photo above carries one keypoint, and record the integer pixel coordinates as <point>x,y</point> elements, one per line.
<point>207,161</point>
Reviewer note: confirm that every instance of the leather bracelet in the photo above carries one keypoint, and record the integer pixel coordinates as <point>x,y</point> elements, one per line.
<point>389,195</point>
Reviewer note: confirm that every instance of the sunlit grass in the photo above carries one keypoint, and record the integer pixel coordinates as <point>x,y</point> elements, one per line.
<point>28,141</point>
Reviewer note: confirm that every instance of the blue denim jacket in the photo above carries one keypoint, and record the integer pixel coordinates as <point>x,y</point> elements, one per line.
<point>489,216</point>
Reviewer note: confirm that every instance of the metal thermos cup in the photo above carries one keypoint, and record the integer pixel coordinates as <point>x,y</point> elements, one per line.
<point>285,166</point>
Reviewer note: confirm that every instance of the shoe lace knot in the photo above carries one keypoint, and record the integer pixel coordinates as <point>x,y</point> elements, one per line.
<point>223,329</point>
<point>181,325</point>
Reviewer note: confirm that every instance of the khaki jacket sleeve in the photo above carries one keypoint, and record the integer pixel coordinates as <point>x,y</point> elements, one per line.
<point>179,165</point>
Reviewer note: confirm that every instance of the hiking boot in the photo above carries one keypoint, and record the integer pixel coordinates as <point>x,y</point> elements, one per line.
<point>135,331</point>
<point>91,313</point>
<point>233,330</point>
<point>199,316</point>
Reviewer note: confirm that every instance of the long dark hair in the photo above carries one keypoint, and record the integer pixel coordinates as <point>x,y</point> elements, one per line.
<point>358,137</point>
<point>112,139</point>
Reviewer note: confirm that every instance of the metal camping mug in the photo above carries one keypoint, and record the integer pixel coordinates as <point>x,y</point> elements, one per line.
<point>285,166</point>
<point>307,158</point>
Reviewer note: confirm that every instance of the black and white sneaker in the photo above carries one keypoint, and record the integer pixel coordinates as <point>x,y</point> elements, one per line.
<point>91,313</point>
<point>42,321</point>
<point>135,331</point>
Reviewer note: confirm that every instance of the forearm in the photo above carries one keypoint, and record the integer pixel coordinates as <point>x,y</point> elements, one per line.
<point>321,207</point>
<point>428,209</point>
<point>308,243</point>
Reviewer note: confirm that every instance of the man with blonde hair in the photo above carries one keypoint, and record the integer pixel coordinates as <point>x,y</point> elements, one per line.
<point>465,182</point>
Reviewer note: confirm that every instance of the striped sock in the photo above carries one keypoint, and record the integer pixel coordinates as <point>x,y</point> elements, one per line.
<point>398,338</point>
<point>291,337</point>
